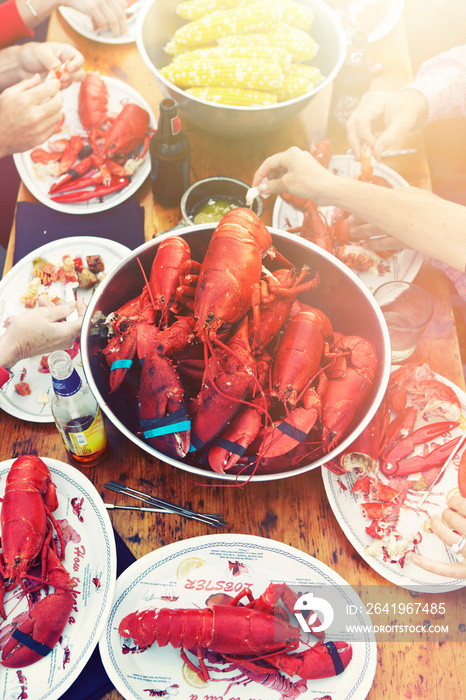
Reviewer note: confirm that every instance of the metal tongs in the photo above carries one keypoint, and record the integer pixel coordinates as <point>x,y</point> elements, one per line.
<point>161,506</point>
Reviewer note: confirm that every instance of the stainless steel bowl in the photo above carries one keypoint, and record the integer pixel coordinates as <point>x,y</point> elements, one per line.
<point>158,22</point>
<point>202,190</point>
<point>340,294</point>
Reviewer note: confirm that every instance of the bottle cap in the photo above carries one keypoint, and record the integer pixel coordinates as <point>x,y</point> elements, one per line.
<point>359,39</point>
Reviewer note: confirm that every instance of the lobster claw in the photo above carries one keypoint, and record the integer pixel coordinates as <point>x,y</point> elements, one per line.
<point>36,632</point>
<point>323,660</point>
<point>394,459</point>
<point>287,434</point>
<point>163,413</point>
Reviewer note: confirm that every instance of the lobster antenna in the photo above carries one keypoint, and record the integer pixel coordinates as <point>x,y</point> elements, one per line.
<point>149,291</point>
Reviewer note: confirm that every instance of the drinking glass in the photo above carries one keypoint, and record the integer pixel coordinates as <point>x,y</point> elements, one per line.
<point>407,309</point>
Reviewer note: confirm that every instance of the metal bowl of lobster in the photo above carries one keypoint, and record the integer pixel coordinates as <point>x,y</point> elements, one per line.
<point>261,356</point>
<point>157,24</point>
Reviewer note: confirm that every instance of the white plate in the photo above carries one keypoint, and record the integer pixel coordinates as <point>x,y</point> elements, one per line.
<point>90,558</point>
<point>225,563</point>
<point>16,283</point>
<point>377,17</point>
<point>347,509</point>
<point>83,24</point>
<point>38,181</point>
<point>403,265</point>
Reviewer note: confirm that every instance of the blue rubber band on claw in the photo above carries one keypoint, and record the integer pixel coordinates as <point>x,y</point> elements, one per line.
<point>196,443</point>
<point>337,662</point>
<point>121,364</point>
<point>153,427</point>
<point>230,446</point>
<point>39,648</point>
<point>292,431</point>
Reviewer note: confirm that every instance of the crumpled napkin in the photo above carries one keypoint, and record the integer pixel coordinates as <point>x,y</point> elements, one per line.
<point>37,225</point>
<point>93,682</point>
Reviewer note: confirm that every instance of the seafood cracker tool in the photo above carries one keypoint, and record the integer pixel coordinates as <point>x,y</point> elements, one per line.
<point>214,519</point>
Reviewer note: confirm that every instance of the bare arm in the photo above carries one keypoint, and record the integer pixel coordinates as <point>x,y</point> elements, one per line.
<point>417,218</point>
<point>107,14</point>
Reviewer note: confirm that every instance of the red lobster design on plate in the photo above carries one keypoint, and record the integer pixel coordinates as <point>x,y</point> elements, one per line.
<point>27,541</point>
<point>257,638</point>
<point>237,373</point>
<point>100,160</point>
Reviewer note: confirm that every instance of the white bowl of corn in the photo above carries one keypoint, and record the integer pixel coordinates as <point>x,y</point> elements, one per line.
<point>238,67</point>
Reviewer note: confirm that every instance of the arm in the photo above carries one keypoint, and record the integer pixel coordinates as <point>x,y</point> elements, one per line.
<point>107,14</point>
<point>438,91</point>
<point>418,218</point>
<point>12,25</point>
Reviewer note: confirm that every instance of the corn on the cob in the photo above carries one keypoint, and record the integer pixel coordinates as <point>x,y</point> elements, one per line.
<point>194,9</point>
<point>297,80</point>
<point>218,72</point>
<point>297,42</point>
<point>234,96</point>
<point>261,53</point>
<point>296,14</point>
<point>261,15</point>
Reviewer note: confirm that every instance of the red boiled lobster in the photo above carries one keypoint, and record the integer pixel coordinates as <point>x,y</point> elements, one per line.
<point>256,636</point>
<point>103,162</point>
<point>411,435</point>
<point>218,381</point>
<point>27,527</point>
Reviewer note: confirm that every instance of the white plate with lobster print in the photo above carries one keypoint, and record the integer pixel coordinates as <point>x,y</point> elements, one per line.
<point>36,406</point>
<point>347,509</point>
<point>90,558</point>
<point>184,575</point>
<point>402,265</point>
<point>84,25</point>
<point>39,177</point>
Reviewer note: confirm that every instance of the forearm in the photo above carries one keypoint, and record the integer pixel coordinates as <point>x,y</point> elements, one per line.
<point>417,217</point>
<point>36,12</point>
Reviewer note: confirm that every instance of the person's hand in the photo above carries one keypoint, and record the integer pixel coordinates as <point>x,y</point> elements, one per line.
<point>40,331</point>
<point>296,172</point>
<point>30,111</point>
<point>107,14</point>
<point>382,119</point>
<point>453,521</point>
<point>42,58</point>
<point>371,236</point>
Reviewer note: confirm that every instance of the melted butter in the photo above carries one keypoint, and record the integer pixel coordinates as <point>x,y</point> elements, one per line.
<point>214,209</point>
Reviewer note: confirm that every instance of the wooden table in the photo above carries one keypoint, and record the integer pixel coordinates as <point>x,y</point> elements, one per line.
<point>294,511</point>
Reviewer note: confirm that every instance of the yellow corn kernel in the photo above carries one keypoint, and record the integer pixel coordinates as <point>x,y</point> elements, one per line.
<point>261,53</point>
<point>300,44</point>
<point>218,72</point>
<point>298,80</point>
<point>194,9</point>
<point>296,14</point>
<point>234,96</point>
<point>257,16</point>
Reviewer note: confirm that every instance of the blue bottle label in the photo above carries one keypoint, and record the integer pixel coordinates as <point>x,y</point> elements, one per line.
<point>69,386</point>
